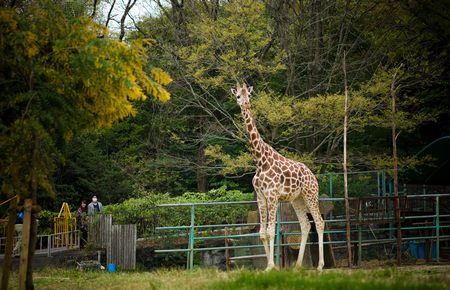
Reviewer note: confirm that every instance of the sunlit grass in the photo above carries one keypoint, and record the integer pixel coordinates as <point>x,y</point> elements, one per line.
<point>389,278</point>
<point>337,279</point>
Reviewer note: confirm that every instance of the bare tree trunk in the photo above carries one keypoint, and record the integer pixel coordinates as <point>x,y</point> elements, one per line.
<point>130,5</point>
<point>34,212</point>
<point>9,243</point>
<point>94,10</point>
<point>32,244</point>
<point>24,282</point>
<point>280,10</point>
<point>315,48</point>
<point>344,164</point>
<point>179,21</point>
<point>393,92</point>
<point>109,17</point>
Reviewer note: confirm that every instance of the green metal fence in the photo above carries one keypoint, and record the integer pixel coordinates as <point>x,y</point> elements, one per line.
<point>433,226</point>
<point>360,183</point>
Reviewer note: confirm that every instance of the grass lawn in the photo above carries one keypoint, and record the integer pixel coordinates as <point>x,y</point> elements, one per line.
<point>418,277</point>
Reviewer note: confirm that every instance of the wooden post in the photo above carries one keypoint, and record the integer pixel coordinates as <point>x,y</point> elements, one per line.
<point>49,245</point>
<point>344,165</point>
<point>393,93</point>
<point>360,208</point>
<point>227,250</point>
<point>9,243</point>
<point>25,244</point>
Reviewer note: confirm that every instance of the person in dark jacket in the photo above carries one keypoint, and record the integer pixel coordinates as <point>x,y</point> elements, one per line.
<point>82,221</point>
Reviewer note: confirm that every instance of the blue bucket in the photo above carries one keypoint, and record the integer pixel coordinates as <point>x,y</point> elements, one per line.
<point>111,268</point>
<point>417,249</point>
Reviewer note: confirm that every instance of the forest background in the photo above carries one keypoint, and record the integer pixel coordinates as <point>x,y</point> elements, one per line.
<point>291,52</point>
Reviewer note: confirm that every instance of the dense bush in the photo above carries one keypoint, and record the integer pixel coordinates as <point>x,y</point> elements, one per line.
<point>147,215</point>
<point>45,225</point>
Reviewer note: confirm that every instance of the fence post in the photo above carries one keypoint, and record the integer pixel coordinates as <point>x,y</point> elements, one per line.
<point>359,233</point>
<point>437,228</point>
<point>24,252</point>
<point>331,184</point>
<point>378,183</point>
<point>49,245</point>
<point>278,237</point>
<point>191,240</point>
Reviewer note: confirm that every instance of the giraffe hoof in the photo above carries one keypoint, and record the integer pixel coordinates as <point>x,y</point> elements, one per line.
<point>271,268</point>
<point>319,268</point>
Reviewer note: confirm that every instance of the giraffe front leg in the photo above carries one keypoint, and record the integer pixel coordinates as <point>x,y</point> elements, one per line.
<point>272,212</point>
<point>262,206</point>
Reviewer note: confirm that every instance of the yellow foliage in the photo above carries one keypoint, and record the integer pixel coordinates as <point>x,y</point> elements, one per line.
<point>29,44</point>
<point>230,47</point>
<point>62,77</point>
<point>275,109</point>
<point>8,21</point>
<point>161,76</point>
<point>229,165</point>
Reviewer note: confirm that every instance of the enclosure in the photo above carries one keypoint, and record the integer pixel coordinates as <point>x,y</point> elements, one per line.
<point>226,234</point>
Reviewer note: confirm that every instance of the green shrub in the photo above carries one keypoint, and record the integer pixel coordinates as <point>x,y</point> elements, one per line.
<point>46,222</point>
<point>147,215</point>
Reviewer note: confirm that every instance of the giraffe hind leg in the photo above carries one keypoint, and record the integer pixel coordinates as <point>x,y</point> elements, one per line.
<point>301,212</point>
<point>313,206</point>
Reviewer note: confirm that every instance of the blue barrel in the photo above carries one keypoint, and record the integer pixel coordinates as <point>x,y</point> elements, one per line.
<point>111,268</point>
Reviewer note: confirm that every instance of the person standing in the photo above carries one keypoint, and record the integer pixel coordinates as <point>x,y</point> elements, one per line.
<point>95,206</point>
<point>82,221</point>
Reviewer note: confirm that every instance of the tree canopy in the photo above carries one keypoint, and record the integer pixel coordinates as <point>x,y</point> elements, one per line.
<point>60,76</point>
<point>71,75</point>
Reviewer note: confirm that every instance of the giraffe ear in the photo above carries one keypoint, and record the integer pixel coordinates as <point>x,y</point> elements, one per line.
<point>250,90</point>
<point>233,91</point>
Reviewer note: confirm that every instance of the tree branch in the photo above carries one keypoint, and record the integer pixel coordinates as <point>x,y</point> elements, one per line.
<point>130,5</point>
<point>109,13</point>
<point>94,9</point>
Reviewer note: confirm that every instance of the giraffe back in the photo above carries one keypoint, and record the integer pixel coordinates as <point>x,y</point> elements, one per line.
<point>289,179</point>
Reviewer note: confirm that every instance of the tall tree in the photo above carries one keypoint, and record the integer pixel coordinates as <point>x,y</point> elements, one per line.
<point>200,41</point>
<point>216,44</point>
<point>393,91</point>
<point>58,77</point>
<point>344,165</point>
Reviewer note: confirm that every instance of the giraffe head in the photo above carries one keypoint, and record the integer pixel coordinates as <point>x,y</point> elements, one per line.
<point>242,94</point>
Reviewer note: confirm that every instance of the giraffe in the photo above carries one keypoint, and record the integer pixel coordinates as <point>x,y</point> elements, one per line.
<point>278,178</point>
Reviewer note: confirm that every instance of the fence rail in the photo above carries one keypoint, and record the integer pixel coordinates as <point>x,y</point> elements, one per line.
<point>420,222</point>
<point>48,244</point>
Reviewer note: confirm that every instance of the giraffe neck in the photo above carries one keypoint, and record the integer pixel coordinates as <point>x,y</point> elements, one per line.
<point>257,144</point>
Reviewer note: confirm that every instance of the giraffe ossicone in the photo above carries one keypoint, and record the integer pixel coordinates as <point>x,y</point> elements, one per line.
<point>278,178</point>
